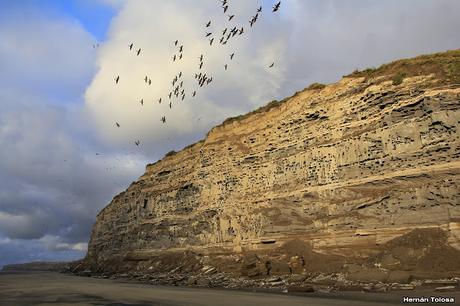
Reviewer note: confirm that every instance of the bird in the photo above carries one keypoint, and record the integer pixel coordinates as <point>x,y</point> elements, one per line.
<point>170,105</point>
<point>170,94</point>
<point>201,58</point>
<point>241,31</point>
<point>273,64</point>
<point>117,124</point>
<point>181,48</point>
<point>225,31</point>
<point>159,101</point>
<point>181,83</point>
<point>150,82</point>
<point>208,24</point>
<point>139,51</point>
<point>180,73</point>
<point>194,93</point>
<point>201,65</point>
<point>117,79</point>
<point>210,41</point>
<point>176,42</point>
<point>180,56</point>
<point>163,119</point>
<point>137,142</point>
<point>276,6</point>
<point>230,17</point>
<point>259,9</point>
<point>221,39</point>
<point>174,58</point>
<point>142,102</point>
<point>146,79</point>
<point>208,34</point>
<point>225,8</point>
<point>232,55</point>
<point>183,97</point>
<point>225,66</point>
<point>131,46</point>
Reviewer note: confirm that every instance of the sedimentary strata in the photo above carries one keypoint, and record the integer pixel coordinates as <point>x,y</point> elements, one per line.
<point>331,180</point>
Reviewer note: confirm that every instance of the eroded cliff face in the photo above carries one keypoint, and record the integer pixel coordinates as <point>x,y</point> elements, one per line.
<point>342,171</point>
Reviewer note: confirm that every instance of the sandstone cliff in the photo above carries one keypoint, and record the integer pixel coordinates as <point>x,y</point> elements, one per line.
<point>332,179</point>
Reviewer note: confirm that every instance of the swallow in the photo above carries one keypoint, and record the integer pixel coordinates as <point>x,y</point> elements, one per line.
<point>208,24</point>
<point>117,79</point>
<point>131,46</point>
<point>230,17</point>
<point>276,6</point>
<point>138,51</point>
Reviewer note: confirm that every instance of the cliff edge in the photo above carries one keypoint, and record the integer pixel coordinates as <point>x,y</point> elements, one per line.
<point>359,179</point>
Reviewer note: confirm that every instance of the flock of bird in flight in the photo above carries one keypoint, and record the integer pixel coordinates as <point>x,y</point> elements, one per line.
<point>177,90</point>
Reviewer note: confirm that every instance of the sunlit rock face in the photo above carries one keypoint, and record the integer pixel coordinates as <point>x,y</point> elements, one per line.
<point>344,168</point>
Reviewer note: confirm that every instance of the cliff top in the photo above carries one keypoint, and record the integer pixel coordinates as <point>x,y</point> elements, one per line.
<point>445,66</point>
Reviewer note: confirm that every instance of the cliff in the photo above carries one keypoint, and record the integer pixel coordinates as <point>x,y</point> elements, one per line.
<point>360,177</point>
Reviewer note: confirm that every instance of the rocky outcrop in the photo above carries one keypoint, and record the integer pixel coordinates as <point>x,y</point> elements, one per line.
<point>330,180</point>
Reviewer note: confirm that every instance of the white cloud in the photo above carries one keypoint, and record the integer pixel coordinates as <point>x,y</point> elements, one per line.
<point>247,83</point>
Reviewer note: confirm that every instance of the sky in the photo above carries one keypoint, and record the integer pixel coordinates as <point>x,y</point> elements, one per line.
<point>62,158</point>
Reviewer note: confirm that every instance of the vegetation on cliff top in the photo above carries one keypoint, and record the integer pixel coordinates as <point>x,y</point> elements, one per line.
<point>444,65</point>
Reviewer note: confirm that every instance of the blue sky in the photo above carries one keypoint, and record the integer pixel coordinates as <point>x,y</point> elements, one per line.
<point>94,15</point>
<point>59,105</point>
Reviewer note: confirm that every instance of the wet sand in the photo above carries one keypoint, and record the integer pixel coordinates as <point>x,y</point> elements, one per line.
<point>48,288</point>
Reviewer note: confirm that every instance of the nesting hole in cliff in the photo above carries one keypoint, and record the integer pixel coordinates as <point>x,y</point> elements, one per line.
<point>145,203</point>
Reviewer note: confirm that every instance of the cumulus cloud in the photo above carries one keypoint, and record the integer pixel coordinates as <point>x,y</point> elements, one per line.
<point>309,41</point>
<point>52,183</point>
<point>246,83</point>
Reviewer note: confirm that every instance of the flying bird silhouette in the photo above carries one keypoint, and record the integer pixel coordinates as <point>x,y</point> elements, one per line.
<point>208,34</point>
<point>232,55</point>
<point>225,66</point>
<point>117,124</point>
<point>273,64</point>
<point>276,6</point>
<point>208,24</point>
<point>142,102</point>
<point>210,41</point>
<point>163,119</point>
<point>131,46</point>
<point>176,42</point>
<point>259,9</point>
<point>230,17</point>
<point>138,52</point>
<point>181,48</point>
<point>117,79</point>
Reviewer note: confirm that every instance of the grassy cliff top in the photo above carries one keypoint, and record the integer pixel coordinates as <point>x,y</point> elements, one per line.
<point>444,65</point>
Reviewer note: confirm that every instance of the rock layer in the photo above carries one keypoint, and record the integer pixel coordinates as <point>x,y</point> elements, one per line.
<point>343,170</point>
